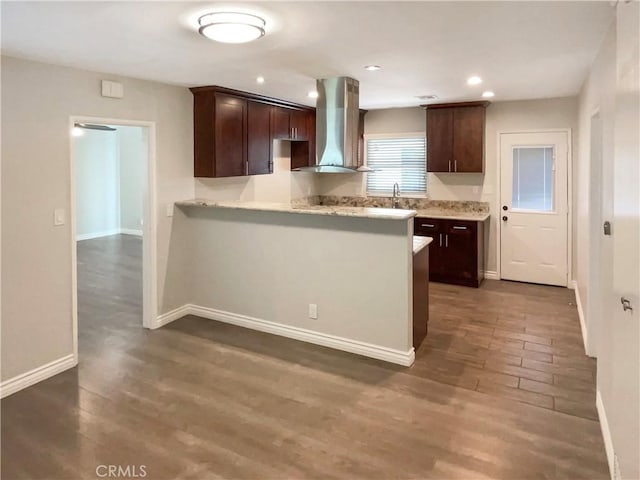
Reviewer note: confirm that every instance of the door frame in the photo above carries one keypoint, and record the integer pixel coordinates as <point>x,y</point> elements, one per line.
<point>149,228</point>
<point>497,202</point>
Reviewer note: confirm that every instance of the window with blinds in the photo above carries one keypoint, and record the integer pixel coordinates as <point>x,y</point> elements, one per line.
<point>396,159</point>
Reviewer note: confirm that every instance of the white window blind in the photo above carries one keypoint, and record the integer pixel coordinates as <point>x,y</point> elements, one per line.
<point>396,159</point>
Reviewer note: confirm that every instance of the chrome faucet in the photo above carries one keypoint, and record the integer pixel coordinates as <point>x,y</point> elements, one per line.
<point>396,195</point>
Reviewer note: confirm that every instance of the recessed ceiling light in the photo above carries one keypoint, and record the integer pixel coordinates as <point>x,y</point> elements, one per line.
<point>231,27</point>
<point>313,94</point>
<point>488,94</point>
<point>260,79</point>
<point>372,68</point>
<point>474,80</point>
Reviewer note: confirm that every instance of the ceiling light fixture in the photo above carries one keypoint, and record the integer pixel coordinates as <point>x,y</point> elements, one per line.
<point>260,79</point>
<point>372,68</point>
<point>231,27</point>
<point>488,94</point>
<point>313,94</point>
<point>474,80</point>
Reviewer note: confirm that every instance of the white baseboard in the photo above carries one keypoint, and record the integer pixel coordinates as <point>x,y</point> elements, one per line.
<point>130,231</point>
<point>339,343</point>
<point>583,326</point>
<point>491,275</point>
<point>108,233</point>
<point>104,233</point>
<point>36,375</point>
<point>172,315</point>
<point>606,434</point>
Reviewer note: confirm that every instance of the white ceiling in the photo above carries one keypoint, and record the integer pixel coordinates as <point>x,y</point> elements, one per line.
<point>522,50</point>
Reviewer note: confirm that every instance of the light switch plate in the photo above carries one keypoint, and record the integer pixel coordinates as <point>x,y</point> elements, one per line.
<point>58,217</point>
<point>313,311</point>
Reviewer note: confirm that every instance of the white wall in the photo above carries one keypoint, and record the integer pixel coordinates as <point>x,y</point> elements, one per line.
<point>36,179</point>
<point>501,117</point>
<point>132,144</point>
<point>97,183</point>
<point>356,270</point>
<point>612,89</point>
<point>282,185</point>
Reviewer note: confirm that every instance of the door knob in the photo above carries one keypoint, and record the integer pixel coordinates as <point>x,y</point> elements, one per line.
<point>626,304</point>
<point>505,208</point>
<point>505,218</point>
<point>607,228</point>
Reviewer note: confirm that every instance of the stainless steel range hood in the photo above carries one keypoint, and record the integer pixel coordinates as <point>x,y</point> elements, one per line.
<point>337,117</point>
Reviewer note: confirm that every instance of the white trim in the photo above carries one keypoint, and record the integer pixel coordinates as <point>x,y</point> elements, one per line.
<point>149,253</point>
<point>573,285</point>
<point>491,275</point>
<point>130,231</point>
<point>172,315</point>
<point>105,233</point>
<point>339,343</point>
<point>606,434</point>
<point>108,233</point>
<point>498,201</point>
<point>24,380</point>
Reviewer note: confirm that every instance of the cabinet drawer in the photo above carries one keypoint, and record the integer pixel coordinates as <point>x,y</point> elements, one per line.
<point>426,227</point>
<point>460,227</point>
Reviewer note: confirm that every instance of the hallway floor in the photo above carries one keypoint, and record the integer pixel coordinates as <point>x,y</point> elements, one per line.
<point>500,389</point>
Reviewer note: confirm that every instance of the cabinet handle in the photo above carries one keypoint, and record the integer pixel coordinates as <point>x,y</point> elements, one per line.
<point>428,225</point>
<point>455,165</point>
<point>449,166</point>
<point>440,239</point>
<point>446,240</point>
<point>459,228</point>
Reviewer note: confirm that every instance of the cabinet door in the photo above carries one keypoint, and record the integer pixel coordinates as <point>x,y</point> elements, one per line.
<point>230,136</point>
<point>468,139</point>
<point>461,250</point>
<point>259,157</point>
<point>440,140</point>
<point>298,124</point>
<point>203,134</point>
<point>429,227</point>
<point>280,128</point>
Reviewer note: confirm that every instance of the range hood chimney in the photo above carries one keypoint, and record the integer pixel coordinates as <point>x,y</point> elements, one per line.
<point>337,117</point>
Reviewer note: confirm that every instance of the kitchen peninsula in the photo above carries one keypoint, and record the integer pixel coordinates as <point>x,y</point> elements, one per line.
<point>336,276</point>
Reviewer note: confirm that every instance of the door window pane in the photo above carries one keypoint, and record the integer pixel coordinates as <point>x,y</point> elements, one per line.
<point>533,179</point>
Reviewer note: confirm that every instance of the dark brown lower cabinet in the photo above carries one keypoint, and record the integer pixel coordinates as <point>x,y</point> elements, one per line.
<point>457,251</point>
<point>420,296</point>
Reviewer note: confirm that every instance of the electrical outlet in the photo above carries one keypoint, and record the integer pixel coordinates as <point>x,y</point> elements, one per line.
<point>313,311</point>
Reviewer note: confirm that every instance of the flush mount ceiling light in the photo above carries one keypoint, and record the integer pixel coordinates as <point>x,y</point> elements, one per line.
<point>488,94</point>
<point>231,27</point>
<point>474,80</point>
<point>372,68</point>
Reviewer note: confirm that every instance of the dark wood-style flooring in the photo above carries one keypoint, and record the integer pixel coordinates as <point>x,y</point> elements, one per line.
<point>500,389</point>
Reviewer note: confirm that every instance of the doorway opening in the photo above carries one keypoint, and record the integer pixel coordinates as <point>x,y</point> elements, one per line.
<point>113,246</point>
<point>533,224</point>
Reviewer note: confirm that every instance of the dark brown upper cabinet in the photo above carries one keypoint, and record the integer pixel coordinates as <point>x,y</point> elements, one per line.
<point>234,132</point>
<point>455,137</point>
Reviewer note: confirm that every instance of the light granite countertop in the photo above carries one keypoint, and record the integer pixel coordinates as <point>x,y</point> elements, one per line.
<point>453,215</point>
<point>420,242</point>
<point>340,211</point>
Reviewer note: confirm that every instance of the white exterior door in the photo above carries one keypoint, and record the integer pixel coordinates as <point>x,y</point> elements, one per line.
<point>533,209</point>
